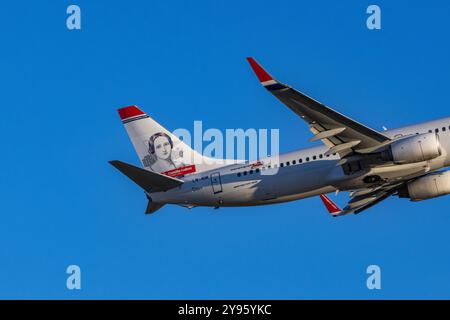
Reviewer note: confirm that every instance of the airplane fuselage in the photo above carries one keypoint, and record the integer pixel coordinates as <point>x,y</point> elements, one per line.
<point>296,175</point>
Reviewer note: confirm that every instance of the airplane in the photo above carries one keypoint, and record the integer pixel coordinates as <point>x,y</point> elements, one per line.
<point>407,162</point>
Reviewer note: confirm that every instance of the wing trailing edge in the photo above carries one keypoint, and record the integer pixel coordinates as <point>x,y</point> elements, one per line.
<point>325,123</point>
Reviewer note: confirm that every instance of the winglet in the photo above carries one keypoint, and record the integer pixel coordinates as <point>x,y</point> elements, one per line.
<point>262,74</point>
<point>332,208</point>
<point>264,77</point>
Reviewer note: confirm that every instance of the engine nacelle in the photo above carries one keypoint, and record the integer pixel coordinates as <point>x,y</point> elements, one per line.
<point>417,148</point>
<point>427,187</point>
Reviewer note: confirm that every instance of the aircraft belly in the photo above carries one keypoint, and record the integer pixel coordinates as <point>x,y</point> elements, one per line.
<point>289,183</point>
<point>305,178</point>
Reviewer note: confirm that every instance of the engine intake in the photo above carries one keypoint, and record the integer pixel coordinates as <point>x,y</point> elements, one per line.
<point>417,148</point>
<point>427,187</point>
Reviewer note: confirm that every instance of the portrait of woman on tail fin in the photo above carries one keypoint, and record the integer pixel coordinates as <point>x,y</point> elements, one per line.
<point>162,156</point>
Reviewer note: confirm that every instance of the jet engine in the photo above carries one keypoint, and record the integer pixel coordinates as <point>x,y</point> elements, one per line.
<point>427,187</point>
<point>417,148</point>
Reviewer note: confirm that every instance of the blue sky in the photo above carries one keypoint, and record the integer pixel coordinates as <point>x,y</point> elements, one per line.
<point>182,61</point>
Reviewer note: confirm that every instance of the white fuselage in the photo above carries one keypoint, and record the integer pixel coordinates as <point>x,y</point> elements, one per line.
<point>291,176</point>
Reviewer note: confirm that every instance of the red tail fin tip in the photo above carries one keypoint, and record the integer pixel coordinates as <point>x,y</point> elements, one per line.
<point>129,112</point>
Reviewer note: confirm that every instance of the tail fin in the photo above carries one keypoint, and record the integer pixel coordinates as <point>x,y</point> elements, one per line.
<point>158,149</point>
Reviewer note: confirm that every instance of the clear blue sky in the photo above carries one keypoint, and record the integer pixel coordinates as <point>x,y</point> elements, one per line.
<point>181,61</point>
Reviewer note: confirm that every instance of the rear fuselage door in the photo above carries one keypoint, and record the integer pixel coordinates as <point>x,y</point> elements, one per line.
<point>216,183</point>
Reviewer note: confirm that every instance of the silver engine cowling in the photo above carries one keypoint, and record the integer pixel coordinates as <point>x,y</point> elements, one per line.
<point>427,187</point>
<point>417,148</point>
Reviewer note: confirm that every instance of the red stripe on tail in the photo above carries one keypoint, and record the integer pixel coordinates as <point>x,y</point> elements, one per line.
<point>130,112</point>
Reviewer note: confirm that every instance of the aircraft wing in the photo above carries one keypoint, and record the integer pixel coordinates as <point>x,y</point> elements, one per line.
<point>361,200</point>
<point>340,133</point>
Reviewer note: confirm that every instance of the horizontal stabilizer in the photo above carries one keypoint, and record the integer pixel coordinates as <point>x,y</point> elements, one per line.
<point>147,180</point>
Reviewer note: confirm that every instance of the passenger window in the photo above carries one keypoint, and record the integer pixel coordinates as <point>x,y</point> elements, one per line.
<point>282,165</point>
<point>443,128</point>
<point>245,173</point>
<point>300,160</point>
<point>307,158</point>
<point>257,170</point>
<point>251,172</point>
<point>320,156</point>
<point>436,130</point>
<point>294,161</point>
<point>239,174</point>
<point>314,157</point>
<point>430,131</point>
<point>288,163</point>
